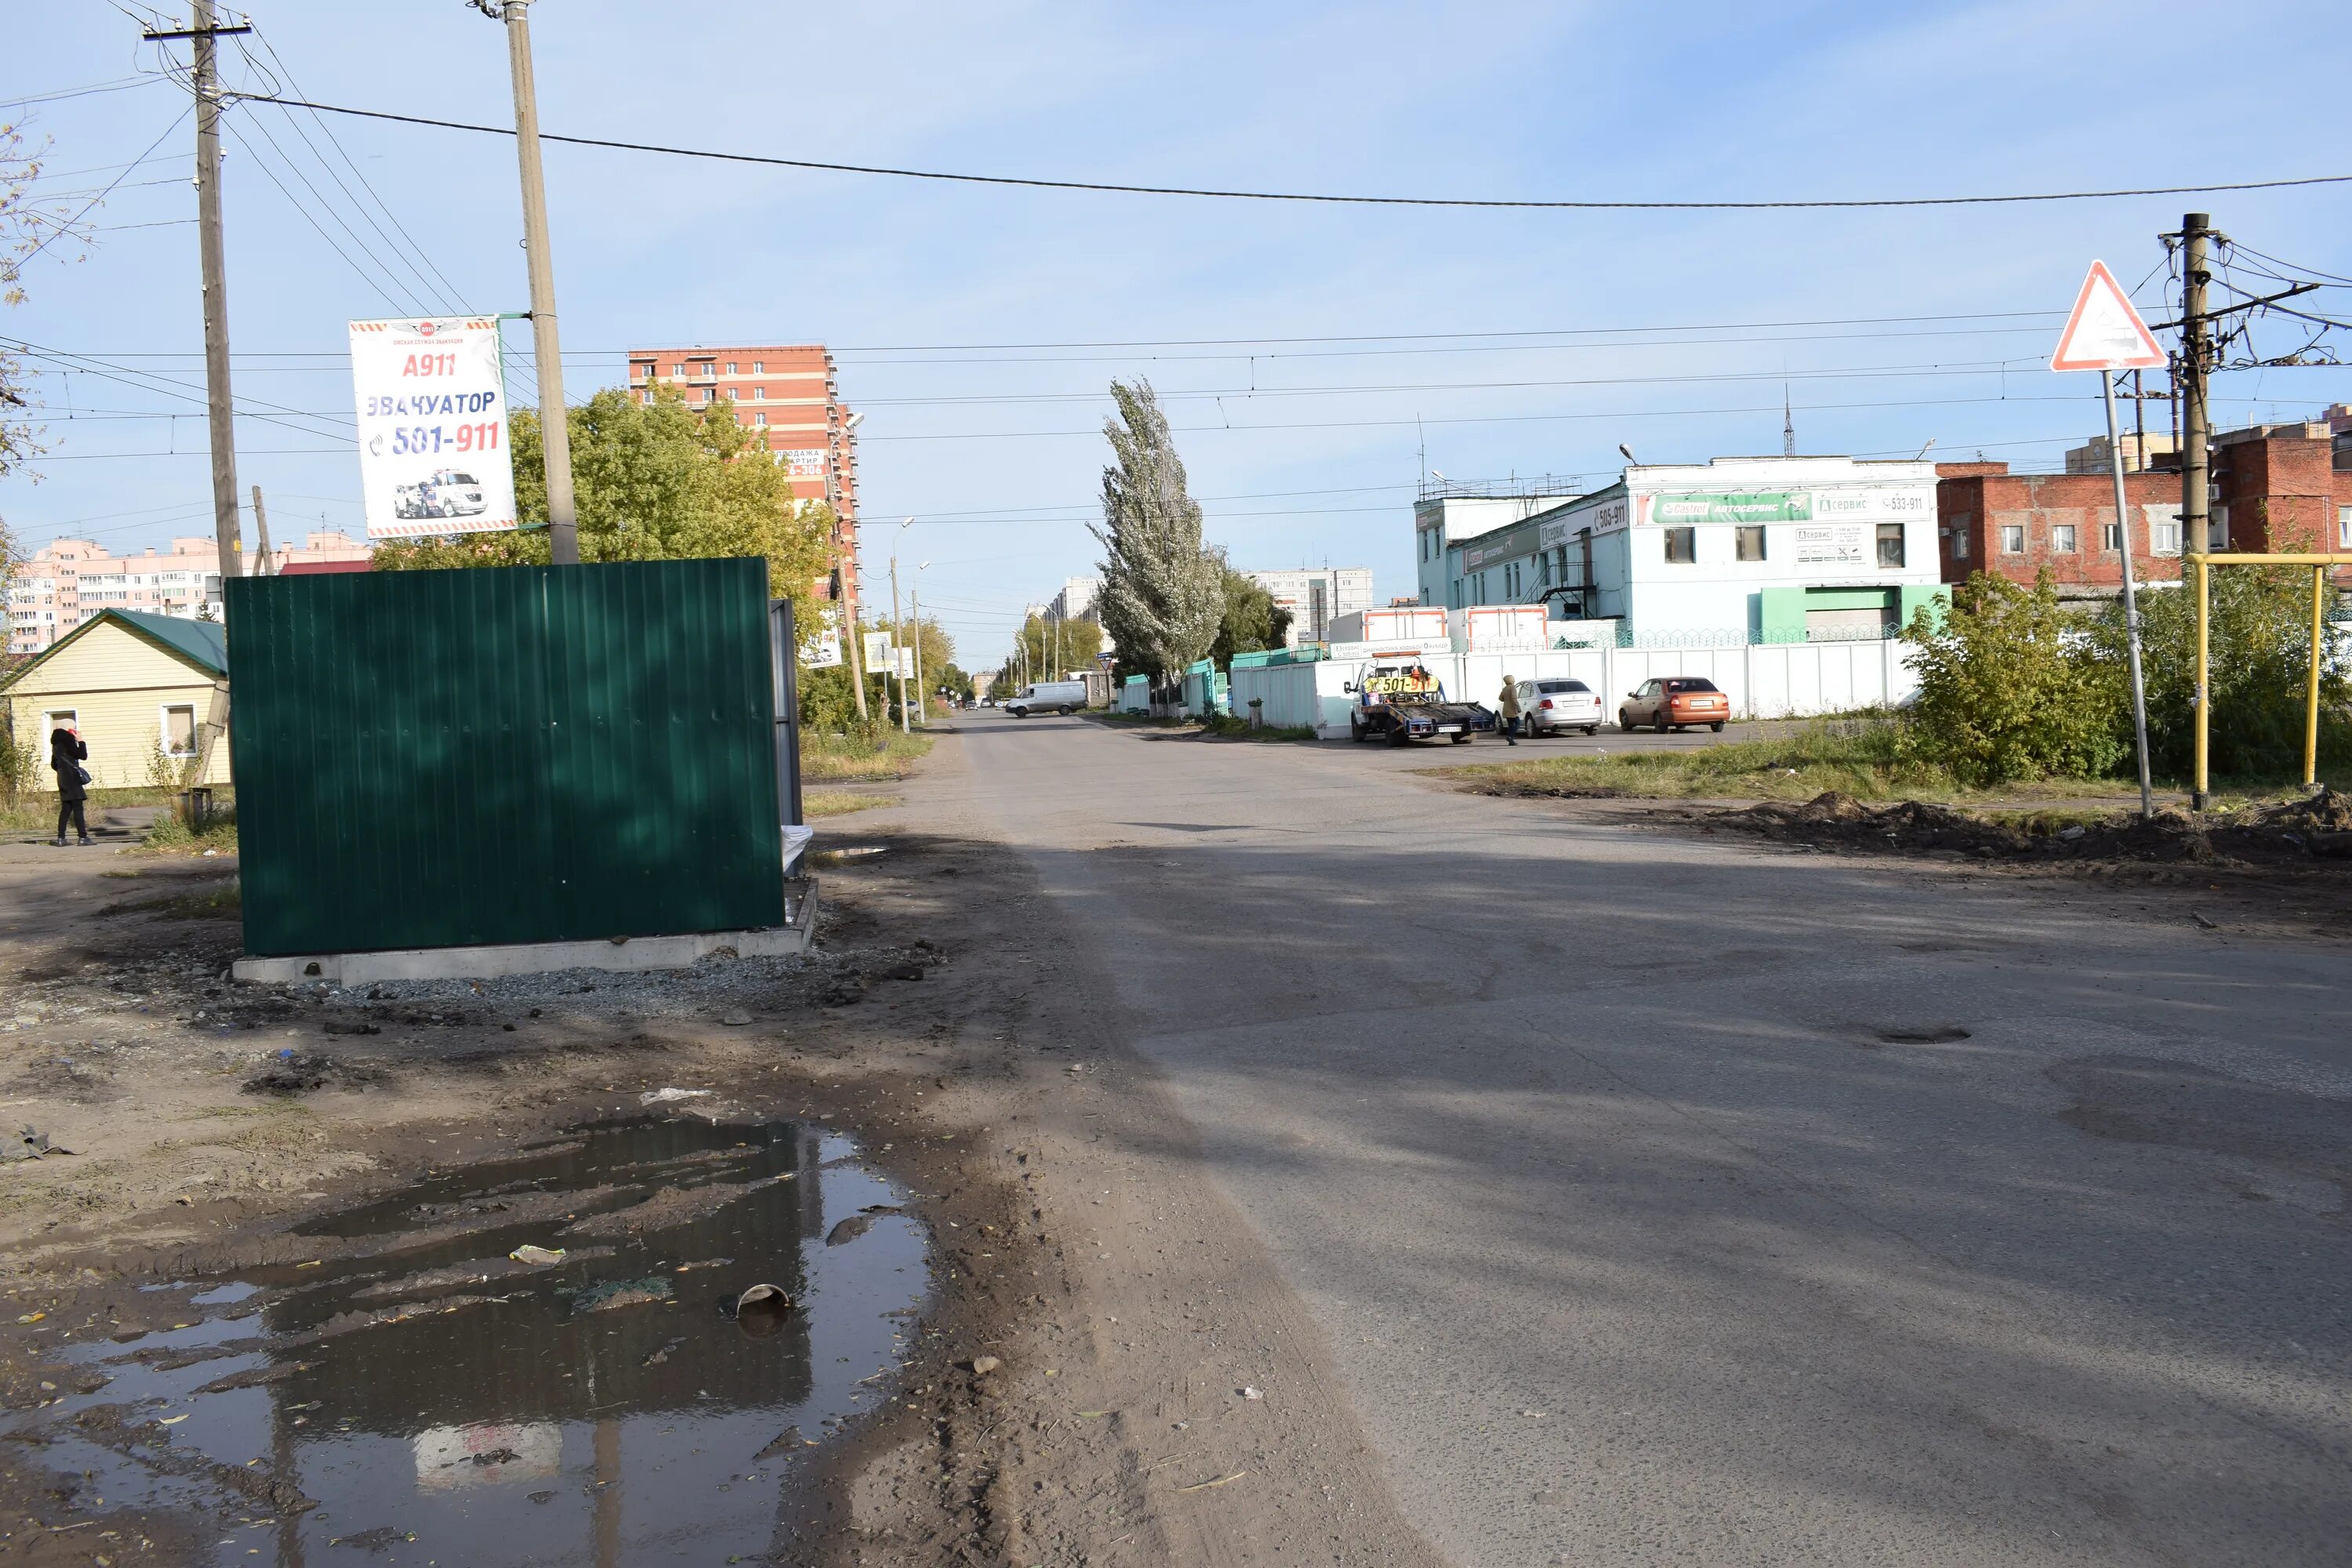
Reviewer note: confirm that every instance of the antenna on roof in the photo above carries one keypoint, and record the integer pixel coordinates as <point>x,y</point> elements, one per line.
<point>1787,425</point>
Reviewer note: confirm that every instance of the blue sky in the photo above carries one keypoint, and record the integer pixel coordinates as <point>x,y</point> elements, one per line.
<point>1301,451</point>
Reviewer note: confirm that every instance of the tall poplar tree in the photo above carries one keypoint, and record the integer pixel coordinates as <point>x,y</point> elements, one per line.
<point>1163,594</point>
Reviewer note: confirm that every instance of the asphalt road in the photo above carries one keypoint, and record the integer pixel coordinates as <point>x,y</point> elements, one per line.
<point>1674,1200</point>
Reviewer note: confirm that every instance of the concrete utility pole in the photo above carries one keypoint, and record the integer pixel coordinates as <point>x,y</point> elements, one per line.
<point>922,692</point>
<point>261,533</point>
<point>220,412</point>
<point>555,434</point>
<point>897,652</point>
<point>2195,362</point>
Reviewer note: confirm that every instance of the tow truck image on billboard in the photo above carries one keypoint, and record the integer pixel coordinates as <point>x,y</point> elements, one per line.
<point>443,494</point>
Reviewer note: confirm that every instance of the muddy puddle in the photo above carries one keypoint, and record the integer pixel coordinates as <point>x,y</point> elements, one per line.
<point>426,1388</point>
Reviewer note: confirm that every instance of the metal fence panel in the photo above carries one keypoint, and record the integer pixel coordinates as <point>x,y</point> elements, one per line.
<point>508,754</point>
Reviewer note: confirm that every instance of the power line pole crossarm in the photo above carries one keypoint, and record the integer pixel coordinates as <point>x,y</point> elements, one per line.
<point>220,414</point>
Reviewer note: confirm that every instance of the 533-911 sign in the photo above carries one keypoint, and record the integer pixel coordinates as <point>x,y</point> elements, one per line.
<point>432,406</point>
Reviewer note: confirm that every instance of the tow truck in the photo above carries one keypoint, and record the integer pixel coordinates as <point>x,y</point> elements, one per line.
<point>1402,703</point>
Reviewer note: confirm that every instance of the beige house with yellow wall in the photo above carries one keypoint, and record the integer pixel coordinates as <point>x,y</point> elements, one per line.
<point>149,692</point>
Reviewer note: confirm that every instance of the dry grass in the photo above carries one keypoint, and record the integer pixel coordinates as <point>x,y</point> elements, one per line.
<point>1855,756</point>
<point>819,803</point>
<point>838,759</point>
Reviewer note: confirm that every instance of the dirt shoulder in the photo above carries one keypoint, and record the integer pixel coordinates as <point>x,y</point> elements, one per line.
<point>1125,1304</point>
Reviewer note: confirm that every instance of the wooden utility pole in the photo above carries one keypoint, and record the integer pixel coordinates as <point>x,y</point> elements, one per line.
<point>555,434</point>
<point>262,531</point>
<point>2196,363</point>
<point>220,412</point>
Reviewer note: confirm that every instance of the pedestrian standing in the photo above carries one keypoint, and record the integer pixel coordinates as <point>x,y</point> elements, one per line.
<point>1509,701</point>
<point>67,752</point>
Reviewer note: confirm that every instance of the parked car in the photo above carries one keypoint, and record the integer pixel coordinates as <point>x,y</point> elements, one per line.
<point>1675,702</point>
<point>1547,707</point>
<point>1048,697</point>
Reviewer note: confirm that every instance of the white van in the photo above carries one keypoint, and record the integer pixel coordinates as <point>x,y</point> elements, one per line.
<point>1047,697</point>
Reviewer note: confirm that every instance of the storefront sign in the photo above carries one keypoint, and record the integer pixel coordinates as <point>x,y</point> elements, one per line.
<point>435,457</point>
<point>1745,506</point>
<point>820,647</point>
<point>1916,501</point>
<point>1833,545</point>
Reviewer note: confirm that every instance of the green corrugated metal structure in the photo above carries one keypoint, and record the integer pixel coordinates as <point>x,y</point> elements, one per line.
<point>508,754</point>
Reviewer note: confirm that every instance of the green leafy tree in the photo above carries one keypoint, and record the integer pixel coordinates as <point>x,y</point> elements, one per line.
<point>829,702</point>
<point>1045,649</point>
<point>2009,686</point>
<point>654,481</point>
<point>1251,620</point>
<point>2258,657</point>
<point>1163,594</point>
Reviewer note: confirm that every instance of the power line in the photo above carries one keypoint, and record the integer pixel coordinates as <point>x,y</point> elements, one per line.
<point>1101,185</point>
<point>119,84</point>
<point>67,226</point>
<point>407,306</point>
<point>399,235</point>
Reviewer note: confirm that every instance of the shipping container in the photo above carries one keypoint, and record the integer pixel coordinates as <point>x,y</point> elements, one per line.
<point>505,755</point>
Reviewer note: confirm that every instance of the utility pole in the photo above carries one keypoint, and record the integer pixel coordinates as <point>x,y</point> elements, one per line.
<point>2195,364</point>
<point>897,653</point>
<point>845,598</point>
<point>220,414</point>
<point>262,531</point>
<point>555,434</point>
<point>922,692</point>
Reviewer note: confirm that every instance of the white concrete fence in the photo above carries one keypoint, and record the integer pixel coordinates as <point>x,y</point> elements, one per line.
<point>1769,680</point>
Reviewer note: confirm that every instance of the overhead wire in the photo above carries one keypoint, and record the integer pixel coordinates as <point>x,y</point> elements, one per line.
<point>67,226</point>
<point>450,296</point>
<point>407,306</point>
<point>1124,189</point>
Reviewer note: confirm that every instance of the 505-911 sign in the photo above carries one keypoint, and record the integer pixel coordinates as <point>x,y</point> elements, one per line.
<point>434,456</point>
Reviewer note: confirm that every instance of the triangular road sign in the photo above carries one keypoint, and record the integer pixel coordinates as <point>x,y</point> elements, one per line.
<point>2105,332</point>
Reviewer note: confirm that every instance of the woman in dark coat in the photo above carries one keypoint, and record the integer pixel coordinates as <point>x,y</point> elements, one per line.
<point>67,752</point>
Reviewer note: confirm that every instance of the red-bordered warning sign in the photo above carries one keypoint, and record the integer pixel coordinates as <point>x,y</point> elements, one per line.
<point>2105,332</point>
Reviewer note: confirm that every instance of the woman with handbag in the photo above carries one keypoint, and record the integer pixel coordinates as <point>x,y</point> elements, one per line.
<point>67,752</point>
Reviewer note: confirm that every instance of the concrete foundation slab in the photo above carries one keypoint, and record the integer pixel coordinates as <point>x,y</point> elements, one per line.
<point>538,957</point>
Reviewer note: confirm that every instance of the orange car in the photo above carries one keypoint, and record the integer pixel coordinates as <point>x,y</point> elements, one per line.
<point>1676,702</point>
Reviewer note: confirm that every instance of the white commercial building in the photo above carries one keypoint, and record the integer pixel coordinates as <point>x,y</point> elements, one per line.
<point>1739,550</point>
<point>1315,596</point>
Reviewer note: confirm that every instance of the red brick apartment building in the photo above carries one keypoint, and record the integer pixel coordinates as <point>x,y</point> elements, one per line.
<point>788,395</point>
<point>2276,487</point>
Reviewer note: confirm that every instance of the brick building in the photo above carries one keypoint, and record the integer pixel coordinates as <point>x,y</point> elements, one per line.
<point>67,581</point>
<point>788,396</point>
<point>2276,487</point>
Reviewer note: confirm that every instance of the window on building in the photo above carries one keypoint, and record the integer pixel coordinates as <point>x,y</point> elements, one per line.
<point>760,417</point>
<point>2062,538</point>
<point>1890,544</point>
<point>2110,537</point>
<point>730,367</point>
<point>1543,570</point>
<point>677,370</point>
<point>758,367</point>
<point>2012,538</point>
<point>1959,541</point>
<point>2217,529</point>
<point>1681,545</point>
<point>1751,544</point>
<point>647,395</point>
<point>759,395</point>
<point>2343,528</point>
<point>177,725</point>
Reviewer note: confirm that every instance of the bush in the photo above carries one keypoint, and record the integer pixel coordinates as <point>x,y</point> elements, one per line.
<point>829,700</point>
<point>2258,656</point>
<point>2011,687</point>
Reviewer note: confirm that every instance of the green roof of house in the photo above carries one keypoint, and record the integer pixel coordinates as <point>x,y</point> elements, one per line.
<point>206,642</point>
<point>201,643</point>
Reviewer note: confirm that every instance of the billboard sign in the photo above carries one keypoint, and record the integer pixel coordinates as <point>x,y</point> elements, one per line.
<point>821,648</point>
<point>877,651</point>
<point>805,463</point>
<point>434,457</point>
